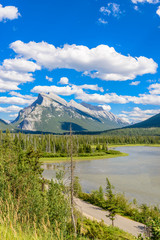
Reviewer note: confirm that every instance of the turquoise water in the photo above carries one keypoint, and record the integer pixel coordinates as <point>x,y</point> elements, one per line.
<point>136,175</point>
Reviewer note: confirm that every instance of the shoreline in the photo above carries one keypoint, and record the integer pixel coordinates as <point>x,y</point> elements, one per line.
<point>90,158</point>
<point>134,145</point>
<point>80,159</point>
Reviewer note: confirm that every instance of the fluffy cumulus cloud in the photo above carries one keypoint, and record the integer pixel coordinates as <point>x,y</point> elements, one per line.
<point>64,80</point>
<point>145,99</point>
<point>67,90</point>
<point>100,62</point>
<point>105,107</point>
<point>138,114</point>
<point>64,91</point>
<point>7,85</point>
<point>11,108</point>
<point>10,80</point>
<point>158,11</point>
<point>91,87</point>
<point>15,100</point>
<point>145,1</point>
<point>17,94</point>
<point>20,65</point>
<point>154,89</point>
<point>111,9</point>
<point>80,93</point>
<point>13,115</point>
<point>102,99</point>
<point>8,13</point>
<point>13,72</point>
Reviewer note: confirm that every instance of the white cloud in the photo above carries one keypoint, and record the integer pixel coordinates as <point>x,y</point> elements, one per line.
<point>64,80</point>
<point>8,12</point>
<point>49,79</point>
<point>103,21</point>
<point>136,8</point>
<point>138,114</point>
<point>78,91</point>
<point>135,83</point>
<point>124,117</point>
<point>91,87</point>
<point>15,76</point>
<point>145,1</point>
<point>64,91</point>
<point>10,80</point>
<point>15,100</point>
<point>145,99</point>
<point>22,96</point>
<point>105,10</point>
<point>7,85</point>
<point>158,11</point>
<point>13,115</point>
<point>111,9</point>
<point>105,107</point>
<point>67,90</point>
<point>101,62</point>
<point>154,88</point>
<point>13,72</point>
<point>98,98</point>
<point>11,108</point>
<point>20,65</point>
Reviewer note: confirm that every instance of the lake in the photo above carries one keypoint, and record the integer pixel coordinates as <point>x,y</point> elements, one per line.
<point>136,175</point>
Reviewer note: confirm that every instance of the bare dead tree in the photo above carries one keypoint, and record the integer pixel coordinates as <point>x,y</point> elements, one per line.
<point>72,179</point>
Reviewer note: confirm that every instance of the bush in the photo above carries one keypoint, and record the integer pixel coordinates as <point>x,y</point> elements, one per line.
<point>113,152</point>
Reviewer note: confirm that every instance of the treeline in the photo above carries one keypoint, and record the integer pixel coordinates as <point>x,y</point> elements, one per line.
<point>59,145</point>
<point>154,131</point>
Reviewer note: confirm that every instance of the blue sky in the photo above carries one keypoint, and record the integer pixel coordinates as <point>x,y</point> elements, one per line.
<point>101,52</point>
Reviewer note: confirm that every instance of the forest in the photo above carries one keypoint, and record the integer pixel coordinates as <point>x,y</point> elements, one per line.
<point>50,145</point>
<point>35,208</point>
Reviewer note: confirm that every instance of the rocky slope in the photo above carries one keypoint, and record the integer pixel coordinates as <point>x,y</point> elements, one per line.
<point>50,113</point>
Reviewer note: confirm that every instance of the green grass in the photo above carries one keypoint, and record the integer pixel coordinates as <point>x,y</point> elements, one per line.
<point>94,157</point>
<point>134,145</point>
<point>103,232</point>
<point>67,159</point>
<point>99,230</point>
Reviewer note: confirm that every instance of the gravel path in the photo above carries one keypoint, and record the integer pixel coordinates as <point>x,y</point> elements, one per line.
<point>96,213</point>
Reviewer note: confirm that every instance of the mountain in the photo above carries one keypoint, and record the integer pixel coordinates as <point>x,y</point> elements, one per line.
<point>3,125</point>
<point>149,123</point>
<point>50,113</point>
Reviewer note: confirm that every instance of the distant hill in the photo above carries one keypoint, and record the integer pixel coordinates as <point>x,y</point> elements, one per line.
<point>149,127</point>
<point>3,125</point>
<point>50,113</point>
<point>133,132</point>
<point>149,123</point>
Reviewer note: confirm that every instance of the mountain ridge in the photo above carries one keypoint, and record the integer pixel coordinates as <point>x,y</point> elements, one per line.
<point>153,121</point>
<point>51,113</point>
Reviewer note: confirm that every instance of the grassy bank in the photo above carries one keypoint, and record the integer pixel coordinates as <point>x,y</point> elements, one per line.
<point>89,230</point>
<point>96,157</point>
<point>134,145</point>
<point>67,159</point>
